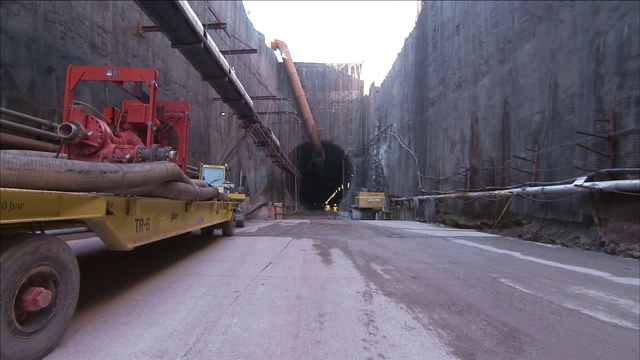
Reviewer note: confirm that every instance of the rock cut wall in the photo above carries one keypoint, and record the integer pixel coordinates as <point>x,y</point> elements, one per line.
<point>478,83</point>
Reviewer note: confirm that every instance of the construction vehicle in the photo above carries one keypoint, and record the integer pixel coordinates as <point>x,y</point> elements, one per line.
<point>216,176</point>
<point>368,206</point>
<point>120,174</point>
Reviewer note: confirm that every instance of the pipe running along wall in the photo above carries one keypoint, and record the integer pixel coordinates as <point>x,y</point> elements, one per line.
<point>181,26</point>
<point>612,185</point>
<point>301,99</point>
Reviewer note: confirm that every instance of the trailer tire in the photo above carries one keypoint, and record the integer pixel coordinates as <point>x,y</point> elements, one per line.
<point>31,262</point>
<point>229,227</point>
<point>208,231</point>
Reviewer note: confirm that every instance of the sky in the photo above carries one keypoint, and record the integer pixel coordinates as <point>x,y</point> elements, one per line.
<point>368,32</point>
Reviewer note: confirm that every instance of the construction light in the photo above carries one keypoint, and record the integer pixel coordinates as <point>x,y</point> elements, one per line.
<point>331,197</point>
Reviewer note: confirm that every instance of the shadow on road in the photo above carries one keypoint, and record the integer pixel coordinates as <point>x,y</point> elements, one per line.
<point>105,273</point>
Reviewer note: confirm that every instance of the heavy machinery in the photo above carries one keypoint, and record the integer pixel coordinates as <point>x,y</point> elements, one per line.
<point>368,206</point>
<point>120,174</point>
<point>216,176</point>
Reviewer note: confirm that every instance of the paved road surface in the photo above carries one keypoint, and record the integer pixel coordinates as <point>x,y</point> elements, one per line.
<point>324,289</point>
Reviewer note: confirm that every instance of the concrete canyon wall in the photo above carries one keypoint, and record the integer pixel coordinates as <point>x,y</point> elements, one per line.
<point>479,86</point>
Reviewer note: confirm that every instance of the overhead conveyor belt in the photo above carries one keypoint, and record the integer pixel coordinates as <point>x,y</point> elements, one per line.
<point>186,33</point>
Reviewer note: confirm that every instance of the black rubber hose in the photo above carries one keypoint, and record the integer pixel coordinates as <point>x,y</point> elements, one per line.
<point>34,153</point>
<point>256,208</point>
<point>29,130</point>
<point>201,183</point>
<point>174,190</point>
<point>47,123</point>
<point>41,173</point>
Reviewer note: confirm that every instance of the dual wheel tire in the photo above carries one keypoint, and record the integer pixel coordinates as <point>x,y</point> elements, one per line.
<point>228,228</point>
<point>31,325</point>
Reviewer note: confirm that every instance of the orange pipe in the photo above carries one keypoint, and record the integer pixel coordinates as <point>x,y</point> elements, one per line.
<point>301,99</point>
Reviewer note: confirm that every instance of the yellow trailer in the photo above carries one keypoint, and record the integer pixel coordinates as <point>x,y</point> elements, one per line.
<point>39,272</point>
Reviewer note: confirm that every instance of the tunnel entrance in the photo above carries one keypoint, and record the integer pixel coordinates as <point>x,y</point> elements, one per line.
<point>317,186</point>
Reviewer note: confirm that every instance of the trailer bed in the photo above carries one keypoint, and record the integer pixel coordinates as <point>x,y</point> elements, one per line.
<point>122,222</point>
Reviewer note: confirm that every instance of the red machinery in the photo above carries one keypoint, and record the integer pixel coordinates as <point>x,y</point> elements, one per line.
<point>144,130</point>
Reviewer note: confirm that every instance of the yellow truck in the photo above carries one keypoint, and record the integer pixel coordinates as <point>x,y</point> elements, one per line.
<point>368,206</point>
<point>216,176</point>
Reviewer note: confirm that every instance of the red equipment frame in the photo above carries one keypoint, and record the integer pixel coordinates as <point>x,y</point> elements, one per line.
<point>133,134</point>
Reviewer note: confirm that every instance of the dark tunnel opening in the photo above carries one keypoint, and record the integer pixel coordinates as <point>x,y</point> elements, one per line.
<point>318,186</point>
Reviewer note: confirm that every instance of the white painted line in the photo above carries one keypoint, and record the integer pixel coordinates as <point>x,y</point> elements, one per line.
<point>602,316</point>
<point>546,245</point>
<point>448,233</point>
<point>254,226</point>
<point>427,229</point>
<point>595,314</point>
<point>380,270</point>
<point>630,305</point>
<point>583,270</point>
<point>515,286</point>
<point>291,222</point>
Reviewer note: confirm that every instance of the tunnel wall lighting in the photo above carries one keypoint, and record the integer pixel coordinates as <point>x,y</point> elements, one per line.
<point>331,197</point>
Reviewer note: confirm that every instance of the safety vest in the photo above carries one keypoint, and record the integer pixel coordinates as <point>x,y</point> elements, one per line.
<point>335,209</point>
<point>327,208</point>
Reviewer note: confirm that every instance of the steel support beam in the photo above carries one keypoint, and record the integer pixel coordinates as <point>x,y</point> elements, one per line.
<point>239,52</point>
<point>180,25</point>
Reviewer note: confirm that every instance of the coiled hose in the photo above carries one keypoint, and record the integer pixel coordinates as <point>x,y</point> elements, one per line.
<point>41,171</point>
